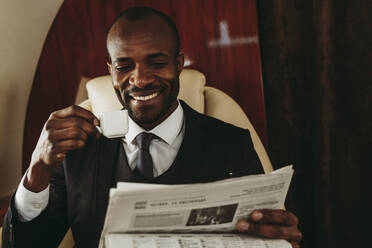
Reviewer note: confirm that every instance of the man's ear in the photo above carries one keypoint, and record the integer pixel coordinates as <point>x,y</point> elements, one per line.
<point>180,61</point>
<point>109,67</point>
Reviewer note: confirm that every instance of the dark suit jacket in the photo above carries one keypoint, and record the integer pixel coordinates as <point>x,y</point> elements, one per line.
<point>79,190</point>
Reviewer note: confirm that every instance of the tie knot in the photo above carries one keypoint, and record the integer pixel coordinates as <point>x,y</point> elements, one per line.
<point>143,140</point>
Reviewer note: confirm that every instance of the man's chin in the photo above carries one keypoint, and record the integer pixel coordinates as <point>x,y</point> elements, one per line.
<point>142,118</point>
<point>150,115</point>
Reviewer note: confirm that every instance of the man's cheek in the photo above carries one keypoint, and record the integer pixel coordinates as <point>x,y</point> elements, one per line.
<point>168,74</point>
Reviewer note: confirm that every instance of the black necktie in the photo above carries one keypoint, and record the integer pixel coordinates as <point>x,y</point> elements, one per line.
<point>144,160</point>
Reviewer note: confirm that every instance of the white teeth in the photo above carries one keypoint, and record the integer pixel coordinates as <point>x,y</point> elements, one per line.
<point>145,98</point>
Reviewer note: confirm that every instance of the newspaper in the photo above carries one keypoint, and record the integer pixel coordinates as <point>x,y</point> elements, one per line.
<point>192,241</point>
<point>192,215</point>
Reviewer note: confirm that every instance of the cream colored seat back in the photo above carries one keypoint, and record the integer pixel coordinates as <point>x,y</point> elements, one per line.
<point>193,90</point>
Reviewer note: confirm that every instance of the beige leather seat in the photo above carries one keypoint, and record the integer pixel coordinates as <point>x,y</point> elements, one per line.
<point>204,99</point>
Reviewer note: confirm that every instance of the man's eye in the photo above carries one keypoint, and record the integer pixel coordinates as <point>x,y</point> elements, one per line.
<point>124,68</point>
<point>159,64</point>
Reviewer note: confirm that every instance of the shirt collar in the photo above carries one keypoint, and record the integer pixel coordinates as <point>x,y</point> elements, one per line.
<point>167,130</point>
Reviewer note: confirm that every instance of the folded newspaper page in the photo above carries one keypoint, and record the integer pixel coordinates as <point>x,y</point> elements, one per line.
<point>191,241</point>
<point>153,215</point>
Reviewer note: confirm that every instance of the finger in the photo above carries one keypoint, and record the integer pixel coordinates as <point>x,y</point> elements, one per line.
<point>269,230</point>
<point>76,111</point>
<point>57,152</point>
<point>274,216</point>
<point>67,133</point>
<point>55,159</point>
<point>65,146</point>
<point>71,123</point>
<point>59,157</point>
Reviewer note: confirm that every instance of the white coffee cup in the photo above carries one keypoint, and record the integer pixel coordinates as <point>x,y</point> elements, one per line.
<point>113,124</point>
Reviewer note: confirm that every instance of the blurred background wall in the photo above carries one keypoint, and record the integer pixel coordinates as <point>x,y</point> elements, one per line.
<point>23,28</point>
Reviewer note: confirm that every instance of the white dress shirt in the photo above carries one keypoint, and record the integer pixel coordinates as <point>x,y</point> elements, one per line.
<point>163,152</point>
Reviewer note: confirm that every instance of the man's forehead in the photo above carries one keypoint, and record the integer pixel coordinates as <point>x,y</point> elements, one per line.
<point>140,41</point>
<point>138,37</point>
<point>139,46</point>
<point>132,32</point>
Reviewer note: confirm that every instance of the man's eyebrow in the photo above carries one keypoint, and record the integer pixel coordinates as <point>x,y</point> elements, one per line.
<point>118,60</point>
<point>157,55</point>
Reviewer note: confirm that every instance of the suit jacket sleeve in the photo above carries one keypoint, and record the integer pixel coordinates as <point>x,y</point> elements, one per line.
<point>237,146</point>
<point>46,230</point>
<point>252,164</point>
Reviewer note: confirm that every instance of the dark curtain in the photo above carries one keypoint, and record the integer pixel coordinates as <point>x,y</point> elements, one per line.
<point>316,59</point>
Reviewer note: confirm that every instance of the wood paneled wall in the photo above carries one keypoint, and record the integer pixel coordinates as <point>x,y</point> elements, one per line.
<point>218,38</point>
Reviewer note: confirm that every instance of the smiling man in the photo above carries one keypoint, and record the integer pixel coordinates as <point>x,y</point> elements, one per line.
<point>73,166</point>
<point>145,66</point>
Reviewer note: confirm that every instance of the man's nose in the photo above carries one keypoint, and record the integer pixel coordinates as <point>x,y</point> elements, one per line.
<point>140,77</point>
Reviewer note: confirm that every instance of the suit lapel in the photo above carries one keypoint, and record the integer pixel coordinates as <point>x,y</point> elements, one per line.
<point>192,150</point>
<point>107,158</point>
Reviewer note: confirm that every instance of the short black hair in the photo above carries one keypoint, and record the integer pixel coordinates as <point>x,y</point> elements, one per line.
<point>138,13</point>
